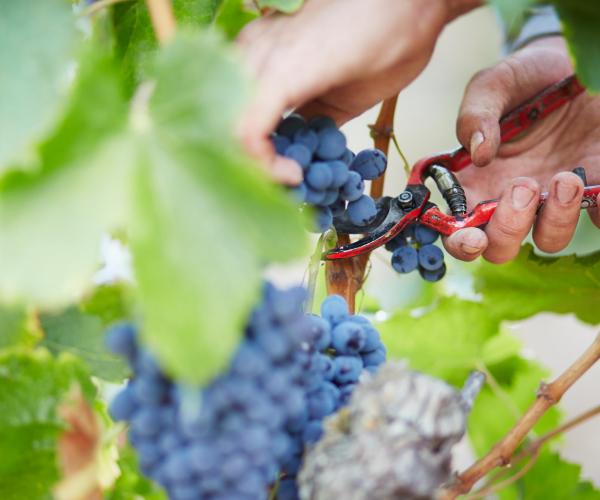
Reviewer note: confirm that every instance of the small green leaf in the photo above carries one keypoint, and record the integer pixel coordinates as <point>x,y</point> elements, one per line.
<point>82,334</point>
<point>447,341</point>
<point>512,13</point>
<point>31,387</point>
<point>580,20</point>
<point>38,41</point>
<point>531,284</point>
<point>287,6</point>
<point>16,328</point>
<point>500,348</point>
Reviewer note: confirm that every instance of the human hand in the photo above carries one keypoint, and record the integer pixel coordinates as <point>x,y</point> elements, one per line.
<point>517,172</point>
<point>335,58</point>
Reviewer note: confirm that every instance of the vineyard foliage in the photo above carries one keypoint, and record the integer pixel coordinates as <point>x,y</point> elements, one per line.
<point>104,132</point>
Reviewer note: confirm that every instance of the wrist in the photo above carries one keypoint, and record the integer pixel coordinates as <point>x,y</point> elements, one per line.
<point>456,8</point>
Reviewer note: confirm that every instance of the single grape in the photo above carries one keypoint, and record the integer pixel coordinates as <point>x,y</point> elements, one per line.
<point>340,173</point>
<point>299,153</point>
<point>331,196</point>
<point>321,403</point>
<point>123,405</point>
<point>320,122</point>
<point>425,235</point>
<point>433,276</point>
<point>281,143</point>
<point>396,242</point>
<point>313,431</point>
<point>146,421</point>
<point>372,339</point>
<point>431,257</point>
<point>121,339</point>
<point>326,367</point>
<point>308,138</point>
<point>347,369</point>
<point>315,197</point>
<point>319,176</point>
<point>348,338</point>
<point>348,156</point>
<point>334,309</point>
<point>362,211</point>
<point>250,361</point>
<point>332,144</point>
<point>374,358</point>
<point>405,259</point>
<point>324,219</point>
<point>353,189</point>
<point>370,164</point>
<point>290,125</point>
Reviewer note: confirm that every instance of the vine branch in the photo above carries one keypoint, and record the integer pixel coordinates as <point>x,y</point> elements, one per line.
<point>163,19</point>
<point>548,395</point>
<point>345,277</point>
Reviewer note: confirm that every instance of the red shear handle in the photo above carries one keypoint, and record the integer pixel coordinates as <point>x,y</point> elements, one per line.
<point>511,125</point>
<point>480,216</point>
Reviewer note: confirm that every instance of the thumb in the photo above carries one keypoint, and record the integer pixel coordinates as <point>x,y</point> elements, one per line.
<point>496,90</point>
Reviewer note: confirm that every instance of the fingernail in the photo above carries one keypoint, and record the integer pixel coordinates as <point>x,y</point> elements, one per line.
<point>469,250</point>
<point>565,192</point>
<point>521,196</point>
<point>476,140</point>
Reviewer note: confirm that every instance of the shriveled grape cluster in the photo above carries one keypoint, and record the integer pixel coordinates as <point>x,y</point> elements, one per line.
<point>394,439</point>
<point>233,438</point>
<point>333,176</point>
<point>414,249</point>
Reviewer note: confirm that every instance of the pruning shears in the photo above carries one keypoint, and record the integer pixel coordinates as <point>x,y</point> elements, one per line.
<point>412,205</point>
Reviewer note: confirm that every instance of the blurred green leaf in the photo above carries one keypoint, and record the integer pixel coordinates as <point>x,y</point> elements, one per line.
<point>38,41</point>
<point>31,387</point>
<point>232,16</point>
<point>512,13</point>
<point>447,340</point>
<point>16,328</point>
<point>531,284</point>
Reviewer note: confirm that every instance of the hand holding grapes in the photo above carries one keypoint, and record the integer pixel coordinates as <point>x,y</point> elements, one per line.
<point>540,161</point>
<point>337,58</point>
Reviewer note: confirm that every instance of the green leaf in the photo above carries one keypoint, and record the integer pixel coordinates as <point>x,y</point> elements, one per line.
<point>38,41</point>
<point>512,13</point>
<point>447,341</point>
<point>134,35</point>
<point>495,413</point>
<point>31,387</point>
<point>580,20</point>
<point>232,16</point>
<point>531,284</point>
<point>16,328</point>
<point>287,6</point>
<point>82,334</point>
<point>53,216</point>
<point>131,484</point>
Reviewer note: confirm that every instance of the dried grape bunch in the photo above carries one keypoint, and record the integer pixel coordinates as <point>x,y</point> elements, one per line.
<point>394,440</point>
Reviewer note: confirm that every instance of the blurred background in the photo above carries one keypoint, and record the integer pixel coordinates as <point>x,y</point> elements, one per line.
<point>424,124</point>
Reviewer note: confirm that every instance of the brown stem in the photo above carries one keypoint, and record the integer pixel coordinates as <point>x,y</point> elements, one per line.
<point>163,19</point>
<point>548,395</point>
<point>345,277</point>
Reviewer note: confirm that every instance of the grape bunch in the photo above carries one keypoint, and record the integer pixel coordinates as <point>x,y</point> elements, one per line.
<point>333,176</point>
<point>232,438</point>
<point>336,355</point>
<point>414,249</point>
<point>394,440</point>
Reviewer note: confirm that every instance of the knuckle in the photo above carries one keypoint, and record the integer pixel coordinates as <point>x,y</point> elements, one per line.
<point>506,230</point>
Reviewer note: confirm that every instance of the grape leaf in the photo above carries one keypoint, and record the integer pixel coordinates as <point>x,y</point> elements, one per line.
<point>287,6</point>
<point>82,335</point>
<point>494,414</point>
<point>580,19</point>
<point>134,35</point>
<point>32,385</point>
<point>17,328</point>
<point>447,341</point>
<point>232,16</point>
<point>38,41</point>
<point>531,284</point>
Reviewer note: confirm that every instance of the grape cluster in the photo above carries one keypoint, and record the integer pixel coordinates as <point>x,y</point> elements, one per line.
<point>334,359</point>
<point>394,440</point>
<point>414,249</point>
<point>228,440</point>
<point>231,439</point>
<point>333,176</point>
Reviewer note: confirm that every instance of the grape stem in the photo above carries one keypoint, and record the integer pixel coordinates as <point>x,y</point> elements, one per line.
<point>163,19</point>
<point>548,395</point>
<point>345,277</point>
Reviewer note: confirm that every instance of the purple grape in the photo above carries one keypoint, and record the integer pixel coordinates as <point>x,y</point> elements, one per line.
<point>362,211</point>
<point>299,153</point>
<point>353,189</point>
<point>370,164</point>
<point>334,309</point>
<point>347,369</point>
<point>281,143</point>
<point>433,276</point>
<point>431,258</point>
<point>308,138</point>
<point>348,338</point>
<point>332,144</point>
<point>315,197</point>
<point>324,219</point>
<point>290,125</point>
<point>319,176</point>
<point>320,122</point>
<point>340,173</point>
<point>425,235</point>
<point>405,259</point>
